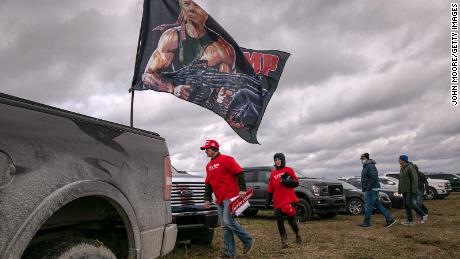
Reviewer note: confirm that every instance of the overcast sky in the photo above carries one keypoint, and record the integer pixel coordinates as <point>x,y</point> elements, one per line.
<point>363,76</point>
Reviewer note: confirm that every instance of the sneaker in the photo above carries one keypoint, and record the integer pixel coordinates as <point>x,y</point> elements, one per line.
<point>424,219</point>
<point>390,223</point>
<point>298,239</point>
<point>408,223</point>
<point>247,248</point>
<point>364,225</point>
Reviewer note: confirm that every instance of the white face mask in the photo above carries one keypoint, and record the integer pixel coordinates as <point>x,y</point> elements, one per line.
<point>363,161</point>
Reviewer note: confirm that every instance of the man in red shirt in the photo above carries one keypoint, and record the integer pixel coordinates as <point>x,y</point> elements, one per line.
<point>283,180</point>
<point>225,178</point>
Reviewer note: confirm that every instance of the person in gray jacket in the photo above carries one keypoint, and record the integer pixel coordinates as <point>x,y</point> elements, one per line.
<point>371,187</point>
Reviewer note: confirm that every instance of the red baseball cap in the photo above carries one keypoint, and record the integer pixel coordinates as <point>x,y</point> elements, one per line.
<point>210,143</point>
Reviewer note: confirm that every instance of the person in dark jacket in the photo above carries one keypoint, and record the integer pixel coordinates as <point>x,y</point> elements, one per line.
<point>408,186</point>
<point>423,188</point>
<point>281,186</point>
<point>371,187</point>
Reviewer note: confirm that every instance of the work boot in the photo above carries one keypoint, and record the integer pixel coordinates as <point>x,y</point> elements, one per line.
<point>284,243</point>
<point>298,239</point>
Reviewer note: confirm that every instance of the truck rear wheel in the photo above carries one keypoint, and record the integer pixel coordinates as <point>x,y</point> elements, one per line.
<point>204,239</point>
<point>72,248</point>
<point>304,210</point>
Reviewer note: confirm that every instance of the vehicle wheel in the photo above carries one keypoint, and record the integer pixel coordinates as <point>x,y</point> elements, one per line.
<point>432,194</point>
<point>355,206</point>
<point>250,212</point>
<point>205,239</point>
<point>327,215</point>
<point>304,210</point>
<point>72,248</point>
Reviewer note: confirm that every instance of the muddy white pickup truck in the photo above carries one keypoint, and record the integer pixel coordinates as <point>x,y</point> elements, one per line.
<point>73,186</point>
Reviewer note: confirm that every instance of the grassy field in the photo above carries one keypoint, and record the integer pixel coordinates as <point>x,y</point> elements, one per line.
<point>341,238</point>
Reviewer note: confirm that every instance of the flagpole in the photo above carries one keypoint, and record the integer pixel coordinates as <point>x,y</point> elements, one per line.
<point>132,102</point>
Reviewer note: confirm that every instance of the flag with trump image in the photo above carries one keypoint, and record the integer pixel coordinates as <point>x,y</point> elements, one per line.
<point>184,52</point>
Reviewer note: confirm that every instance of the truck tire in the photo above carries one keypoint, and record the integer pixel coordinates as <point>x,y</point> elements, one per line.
<point>355,206</point>
<point>327,215</point>
<point>432,194</point>
<point>205,239</point>
<point>304,210</point>
<point>72,248</point>
<point>250,212</point>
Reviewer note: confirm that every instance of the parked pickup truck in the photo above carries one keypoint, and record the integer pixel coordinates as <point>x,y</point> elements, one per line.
<point>73,186</point>
<point>438,188</point>
<point>316,196</point>
<point>194,221</point>
<point>453,179</point>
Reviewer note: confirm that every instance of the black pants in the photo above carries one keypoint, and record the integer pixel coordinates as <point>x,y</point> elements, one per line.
<point>280,221</point>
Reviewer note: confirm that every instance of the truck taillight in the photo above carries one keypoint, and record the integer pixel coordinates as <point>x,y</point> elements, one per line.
<point>168,179</point>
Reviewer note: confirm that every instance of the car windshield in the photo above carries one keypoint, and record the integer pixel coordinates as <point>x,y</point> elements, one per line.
<point>301,174</point>
<point>175,171</point>
<point>348,186</point>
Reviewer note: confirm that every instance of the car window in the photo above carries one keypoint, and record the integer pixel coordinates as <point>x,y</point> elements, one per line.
<point>355,182</point>
<point>451,176</point>
<point>250,176</point>
<point>348,186</point>
<point>264,176</point>
<point>393,175</point>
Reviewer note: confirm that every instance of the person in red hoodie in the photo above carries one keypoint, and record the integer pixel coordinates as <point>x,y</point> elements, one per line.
<point>283,180</point>
<point>225,178</point>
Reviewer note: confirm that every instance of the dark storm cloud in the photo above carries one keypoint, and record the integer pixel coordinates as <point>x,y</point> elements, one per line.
<point>364,76</point>
<point>51,60</point>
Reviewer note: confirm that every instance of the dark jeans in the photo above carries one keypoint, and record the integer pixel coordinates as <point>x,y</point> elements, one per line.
<point>410,203</point>
<point>371,201</point>
<point>420,202</point>
<point>280,221</point>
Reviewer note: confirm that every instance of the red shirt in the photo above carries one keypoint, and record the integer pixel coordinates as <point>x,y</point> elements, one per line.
<point>221,174</point>
<point>281,193</point>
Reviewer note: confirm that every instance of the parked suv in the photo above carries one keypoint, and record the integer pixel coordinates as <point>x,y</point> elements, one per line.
<point>389,189</point>
<point>438,188</point>
<point>355,199</point>
<point>316,196</point>
<point>194,221</point>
